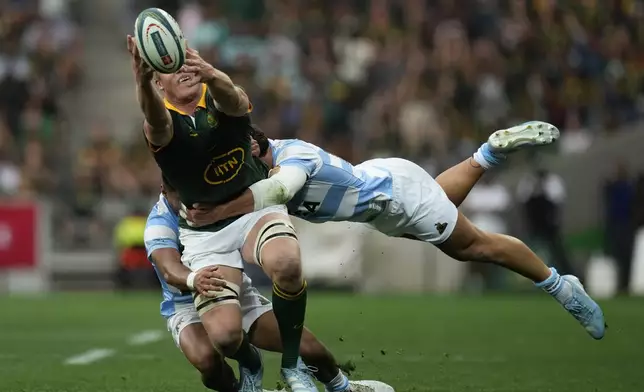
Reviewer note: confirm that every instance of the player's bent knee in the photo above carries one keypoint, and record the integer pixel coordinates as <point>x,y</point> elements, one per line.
<point>277,250</point>
<point>468,244</point>
<point>275,232</point>
<point>483,249</point>
<point>228,340</point>
<point>284,266</point>
<point>225,332</point>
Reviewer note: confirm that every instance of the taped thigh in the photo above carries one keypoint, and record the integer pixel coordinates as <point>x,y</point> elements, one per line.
<point>229,295</point>
<point>277,228</point>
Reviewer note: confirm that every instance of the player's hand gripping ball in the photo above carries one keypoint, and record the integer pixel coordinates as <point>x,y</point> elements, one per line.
<point>159,41</point>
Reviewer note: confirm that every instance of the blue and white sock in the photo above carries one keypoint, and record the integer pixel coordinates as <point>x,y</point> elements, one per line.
<point>339,384</point>
<point>487,158</point>
<point>556,286</point>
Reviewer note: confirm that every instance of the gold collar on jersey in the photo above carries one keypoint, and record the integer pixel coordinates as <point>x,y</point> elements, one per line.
<point>201,104</point>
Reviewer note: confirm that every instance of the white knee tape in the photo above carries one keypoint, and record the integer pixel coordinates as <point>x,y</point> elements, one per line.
<point>278,228</point>
<point>229,295</point>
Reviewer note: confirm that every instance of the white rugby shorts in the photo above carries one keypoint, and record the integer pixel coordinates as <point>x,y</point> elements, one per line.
<point>223,247</point>
<point>419,206</point>
<point>253,305</point>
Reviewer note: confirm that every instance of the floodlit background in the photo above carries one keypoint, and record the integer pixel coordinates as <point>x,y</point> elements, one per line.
<point>427,80</point>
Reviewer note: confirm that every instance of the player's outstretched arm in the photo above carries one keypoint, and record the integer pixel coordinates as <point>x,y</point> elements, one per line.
<point>229,98</point>
<point>278,189</point>
<point>158,122</point>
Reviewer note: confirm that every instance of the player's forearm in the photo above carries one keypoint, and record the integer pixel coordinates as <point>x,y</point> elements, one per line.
<point>177,276</point>
<point>230,99</point>
<point>171,268</point>
<point>244,204</point>
<point>156,115</point>
<point>152,105</point>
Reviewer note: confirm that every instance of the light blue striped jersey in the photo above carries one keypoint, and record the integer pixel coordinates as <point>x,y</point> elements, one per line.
<point>162,231</point>
<point>335,190</point>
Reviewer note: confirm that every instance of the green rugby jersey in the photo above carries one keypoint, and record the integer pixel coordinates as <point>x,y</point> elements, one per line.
<point>208,159</point>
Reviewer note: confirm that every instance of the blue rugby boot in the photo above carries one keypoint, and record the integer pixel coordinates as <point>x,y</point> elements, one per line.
<point>250,381</point>
<point>570,293</point>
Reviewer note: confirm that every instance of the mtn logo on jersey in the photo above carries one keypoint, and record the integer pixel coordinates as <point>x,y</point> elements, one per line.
<point>224,168</point>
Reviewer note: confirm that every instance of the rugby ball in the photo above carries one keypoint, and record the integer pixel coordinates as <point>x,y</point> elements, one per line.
<point>160,41</point>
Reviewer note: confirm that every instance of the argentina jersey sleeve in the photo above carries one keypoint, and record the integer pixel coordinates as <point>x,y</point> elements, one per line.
<point>297,153</point>
<point>161,230</point>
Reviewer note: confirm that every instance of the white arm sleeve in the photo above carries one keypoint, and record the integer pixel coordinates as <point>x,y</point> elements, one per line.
<point>279,188</point>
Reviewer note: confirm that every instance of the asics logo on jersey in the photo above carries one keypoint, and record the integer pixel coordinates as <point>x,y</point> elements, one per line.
<point>441,227</point>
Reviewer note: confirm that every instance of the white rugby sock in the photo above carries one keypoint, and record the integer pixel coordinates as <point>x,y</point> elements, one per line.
<point>555,286</point>
<point>339,384</point>
<point>487,158</point>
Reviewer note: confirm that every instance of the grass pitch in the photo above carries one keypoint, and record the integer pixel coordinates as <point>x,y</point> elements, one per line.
<point>455,344</point>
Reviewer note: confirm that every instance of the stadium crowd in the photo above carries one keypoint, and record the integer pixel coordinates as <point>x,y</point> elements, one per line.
<point>422,79</point>
<point>426,79</point>
<point>39,54</point>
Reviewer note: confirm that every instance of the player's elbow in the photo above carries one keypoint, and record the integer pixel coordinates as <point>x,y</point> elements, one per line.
<point>158,131</point>
<point>240,108</point>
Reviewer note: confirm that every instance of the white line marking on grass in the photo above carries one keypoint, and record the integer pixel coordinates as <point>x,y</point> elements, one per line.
<point>431,359</point>
<point>90,356</point>
<point>145,337</point>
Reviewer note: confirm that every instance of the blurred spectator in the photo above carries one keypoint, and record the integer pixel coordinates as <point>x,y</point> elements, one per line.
<point>487,205</point>
<point>574,139</point>
<point>619,231</point>
<point>10,177</point>
<point>134,266</point>
<point>543,195</point>
<point>416,78</point>
<point>638,202</point>
<point>38,61</point>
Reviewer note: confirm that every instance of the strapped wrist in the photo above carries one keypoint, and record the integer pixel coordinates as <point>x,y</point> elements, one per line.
<point>190,280</point>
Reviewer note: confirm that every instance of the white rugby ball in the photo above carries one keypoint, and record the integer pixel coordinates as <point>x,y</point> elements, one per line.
<point>160,40</point>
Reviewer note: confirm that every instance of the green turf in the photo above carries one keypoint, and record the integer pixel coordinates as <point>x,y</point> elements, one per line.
<point>415,344</point>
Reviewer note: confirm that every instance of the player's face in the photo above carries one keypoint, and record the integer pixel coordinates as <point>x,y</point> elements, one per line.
<point>178,86</point>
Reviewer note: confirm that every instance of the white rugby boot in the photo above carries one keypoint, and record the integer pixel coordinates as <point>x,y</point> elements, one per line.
<point>298,380</point>
<point>505,141</point>
<point>531,133</point>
